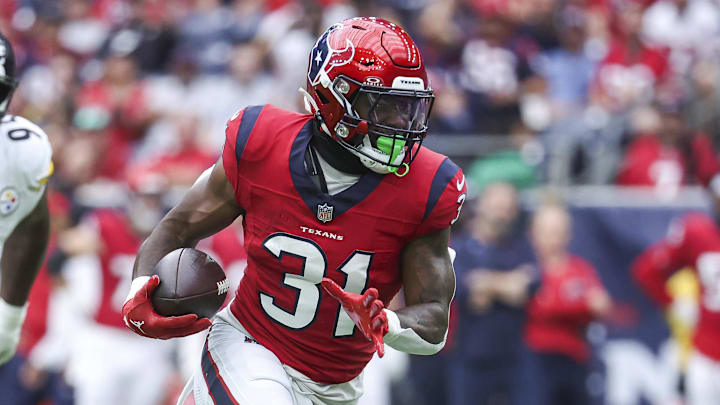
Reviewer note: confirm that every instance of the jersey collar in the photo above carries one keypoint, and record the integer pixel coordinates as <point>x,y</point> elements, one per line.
<point>313,197</point>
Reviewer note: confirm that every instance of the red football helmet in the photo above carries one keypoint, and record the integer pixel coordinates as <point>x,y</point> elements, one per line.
<point>368,87</point>
<point>146,198</point>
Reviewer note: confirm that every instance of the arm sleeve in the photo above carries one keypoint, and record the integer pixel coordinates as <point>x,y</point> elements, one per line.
<point>407,340</point>
<point>462,267</point>
<point>445,199</point>
<point>654,266</point>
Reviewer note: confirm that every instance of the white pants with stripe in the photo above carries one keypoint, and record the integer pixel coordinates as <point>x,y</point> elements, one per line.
<point>703,380</point>
<point>235,370</point>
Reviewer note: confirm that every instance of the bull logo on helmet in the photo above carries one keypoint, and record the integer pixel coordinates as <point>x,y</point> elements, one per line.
<point>323,57</point>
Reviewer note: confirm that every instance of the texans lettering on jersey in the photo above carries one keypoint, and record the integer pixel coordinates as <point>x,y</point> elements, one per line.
<point>25,165</point>
<point>693,241</point>
<point>295,235</point>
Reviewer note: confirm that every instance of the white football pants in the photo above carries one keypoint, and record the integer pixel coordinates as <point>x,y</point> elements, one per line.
<point>235,370</point>
<point>703,380</point>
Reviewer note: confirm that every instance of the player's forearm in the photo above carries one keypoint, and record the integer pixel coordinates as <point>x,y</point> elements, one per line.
<point>651,270</point>
<point>429,286</point>
<point>166,237</point>
<point>207,207</point>
<point>429,321</point>
<point>23,255</point>
<point>180,228</point>
<point>418,329</point>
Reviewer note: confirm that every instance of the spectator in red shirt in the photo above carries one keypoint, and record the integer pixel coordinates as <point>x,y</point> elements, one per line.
<point>631,70</point>
<point>671,156</point>
<point>122,99</point>
<point>570,296</point>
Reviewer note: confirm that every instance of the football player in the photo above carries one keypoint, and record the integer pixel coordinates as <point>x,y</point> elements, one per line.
<point>342,204</point>
<point>25,166</point>
<point>101,252</point>
<point>692,241</point>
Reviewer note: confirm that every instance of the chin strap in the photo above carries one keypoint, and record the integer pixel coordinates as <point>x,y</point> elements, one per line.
<point>312,108</point>
<point>310,105</point>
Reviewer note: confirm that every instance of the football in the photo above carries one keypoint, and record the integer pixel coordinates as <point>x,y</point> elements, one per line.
<point>190,282</point>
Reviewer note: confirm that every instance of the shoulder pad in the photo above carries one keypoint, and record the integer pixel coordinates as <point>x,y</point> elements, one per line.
<point>445,198</point>
<point>29,147</point>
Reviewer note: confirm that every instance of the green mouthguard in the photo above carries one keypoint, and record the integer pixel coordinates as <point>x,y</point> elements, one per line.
<point>385,144</point>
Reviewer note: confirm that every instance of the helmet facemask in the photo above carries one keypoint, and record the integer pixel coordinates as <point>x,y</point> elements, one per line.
<point>8,82</point>
<point>7,88</point>
<point>383,126</point>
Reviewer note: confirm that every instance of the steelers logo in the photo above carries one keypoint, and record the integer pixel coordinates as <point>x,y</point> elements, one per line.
<point>9,201</point>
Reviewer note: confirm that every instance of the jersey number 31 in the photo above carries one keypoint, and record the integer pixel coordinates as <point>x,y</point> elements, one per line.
<point>307,283</point>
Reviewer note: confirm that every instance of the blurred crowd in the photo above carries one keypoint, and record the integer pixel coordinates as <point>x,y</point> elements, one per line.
<point>135,95</point>
<point>585,91</point>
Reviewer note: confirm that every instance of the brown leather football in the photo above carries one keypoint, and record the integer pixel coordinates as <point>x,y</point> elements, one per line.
<point>190,282</point>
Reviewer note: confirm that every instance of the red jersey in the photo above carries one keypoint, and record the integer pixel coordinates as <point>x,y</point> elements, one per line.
<point>627,77</point>
<point>692,241</point>
<point>558,313</point>
<point>184,166</point>
<point>295,235</point>
<point>117,255</point>
<point>116,145</point>
<point>649,162</point>
<point>226,247</point>
<point>35,324</point>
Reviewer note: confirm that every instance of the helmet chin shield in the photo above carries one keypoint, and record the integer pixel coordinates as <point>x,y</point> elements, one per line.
<point>383,126</point>
<point>374,158</point>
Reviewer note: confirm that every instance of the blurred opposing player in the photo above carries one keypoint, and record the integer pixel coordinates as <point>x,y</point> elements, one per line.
<point>109,365</point>
<point>25,165</point>
<point>345,197</point>
<point>692,241</point>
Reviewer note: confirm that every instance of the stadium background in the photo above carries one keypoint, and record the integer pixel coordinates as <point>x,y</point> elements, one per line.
<point>571,98</point>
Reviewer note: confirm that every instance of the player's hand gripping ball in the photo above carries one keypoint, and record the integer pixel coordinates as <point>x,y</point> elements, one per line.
<point>365,310</point>
<point>191,283</point>
<point>192,289</point>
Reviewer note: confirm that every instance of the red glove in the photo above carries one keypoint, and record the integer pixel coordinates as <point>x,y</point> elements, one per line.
<point>365,310</point>
<point>142,319</point>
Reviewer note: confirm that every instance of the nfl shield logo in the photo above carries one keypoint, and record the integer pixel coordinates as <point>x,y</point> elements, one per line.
<point>325,212</point>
